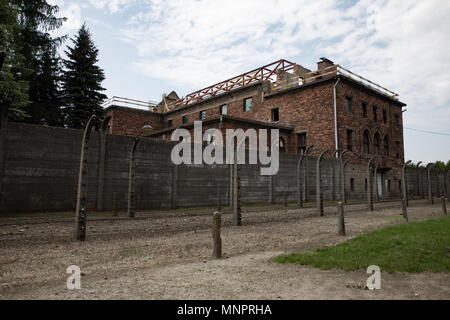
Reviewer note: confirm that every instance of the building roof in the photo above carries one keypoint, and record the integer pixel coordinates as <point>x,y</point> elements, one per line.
<point>223,118</point>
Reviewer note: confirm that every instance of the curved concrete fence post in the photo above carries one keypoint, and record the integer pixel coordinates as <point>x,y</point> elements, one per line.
<point>375,182</point>
<point>319,200</point>
<point>342,175</point>
<point>369,184</point>
<point>237,214</point>
<point>131,210</point>
<point>418,189</point>
<point>101,162</point>
<point>299,180</point>
<point>445,187</point>
<point>448,186</point>
<point>81,208</point>
<point>344,195</point>
<point>430,189</point>
<point>405,187</point>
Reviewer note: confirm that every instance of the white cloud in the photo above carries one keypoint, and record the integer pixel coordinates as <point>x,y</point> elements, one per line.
<point>70,10</point>
<point>195,43</point>
<point>112,6</point>
<point>405,46</point>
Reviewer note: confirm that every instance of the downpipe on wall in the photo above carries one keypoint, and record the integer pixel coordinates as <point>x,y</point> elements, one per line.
<point>336,142</point>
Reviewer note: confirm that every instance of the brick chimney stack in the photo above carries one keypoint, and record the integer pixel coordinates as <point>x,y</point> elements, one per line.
<point>324,63</point>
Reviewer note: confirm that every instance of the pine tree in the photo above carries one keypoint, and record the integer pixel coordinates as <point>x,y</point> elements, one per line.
<point>29,85</point>
<point>47,104</point>
<point>37,18</point>
<point>82,80</point>
<point>13,89</point>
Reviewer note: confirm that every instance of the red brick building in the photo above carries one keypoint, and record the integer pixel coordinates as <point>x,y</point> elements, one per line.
<point>331,108</point>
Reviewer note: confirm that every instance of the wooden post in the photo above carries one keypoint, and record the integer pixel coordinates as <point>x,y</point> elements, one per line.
<point>217,241</point>
<point>444,206</point>
<point>404,209</point>
<point>131,186</point>
<point>341,221</point>
<point>81,208</point>
<point>319,199</point>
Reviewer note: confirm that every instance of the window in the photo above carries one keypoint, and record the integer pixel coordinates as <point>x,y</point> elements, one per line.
<point>397,149</point>
<point>386,146</point>
<point>366,142</point>
<point>375,117</point>
<point>275,115</point>
<point>248,104</point>
<point>397,120</point>
<point>348,104</point>
<point>223,109</point>
<point>169,123</point>
<point>376,143</point>
<point>349,140</point>
<point>185,119</point>
<point>364,109</point>
<point>301,140</point>
<point>384,116</point>
<point>352,184</point>
<point>202,115</point>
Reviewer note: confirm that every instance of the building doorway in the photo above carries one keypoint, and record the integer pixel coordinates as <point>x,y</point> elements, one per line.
<point>380,184</point>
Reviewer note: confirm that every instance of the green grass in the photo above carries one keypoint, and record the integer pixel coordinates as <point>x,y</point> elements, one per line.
<point>412,247</point>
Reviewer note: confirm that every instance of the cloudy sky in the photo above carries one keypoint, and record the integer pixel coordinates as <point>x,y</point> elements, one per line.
<point>148,47</point>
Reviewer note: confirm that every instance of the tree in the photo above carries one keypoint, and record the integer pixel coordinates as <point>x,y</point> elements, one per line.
<point>29,51</point>
<point>37,18</point>
<point>13,88</point>
<point>82,80</point>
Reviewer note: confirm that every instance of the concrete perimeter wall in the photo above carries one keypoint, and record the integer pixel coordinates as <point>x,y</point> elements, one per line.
<point>41,167</point>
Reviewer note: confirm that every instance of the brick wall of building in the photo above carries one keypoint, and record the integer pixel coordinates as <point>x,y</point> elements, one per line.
<point>358,123</point>
<point>307,109</point>
<point>128,121</point>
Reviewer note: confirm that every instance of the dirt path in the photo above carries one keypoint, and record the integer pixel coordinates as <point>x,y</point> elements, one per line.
<point>169,258</point>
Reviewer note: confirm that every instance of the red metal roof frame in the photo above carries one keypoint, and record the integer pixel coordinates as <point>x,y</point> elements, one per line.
<point>266,72</point>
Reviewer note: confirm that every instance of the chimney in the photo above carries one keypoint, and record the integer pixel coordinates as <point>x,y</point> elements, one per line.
<point>323,64</point>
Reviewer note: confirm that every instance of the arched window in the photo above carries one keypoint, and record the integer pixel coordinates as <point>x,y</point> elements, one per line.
<point>365,142</point>
<point>386,146</point>
<point>376,143</point>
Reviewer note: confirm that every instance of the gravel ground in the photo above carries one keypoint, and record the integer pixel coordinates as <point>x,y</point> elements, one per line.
<point>168,256</point>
